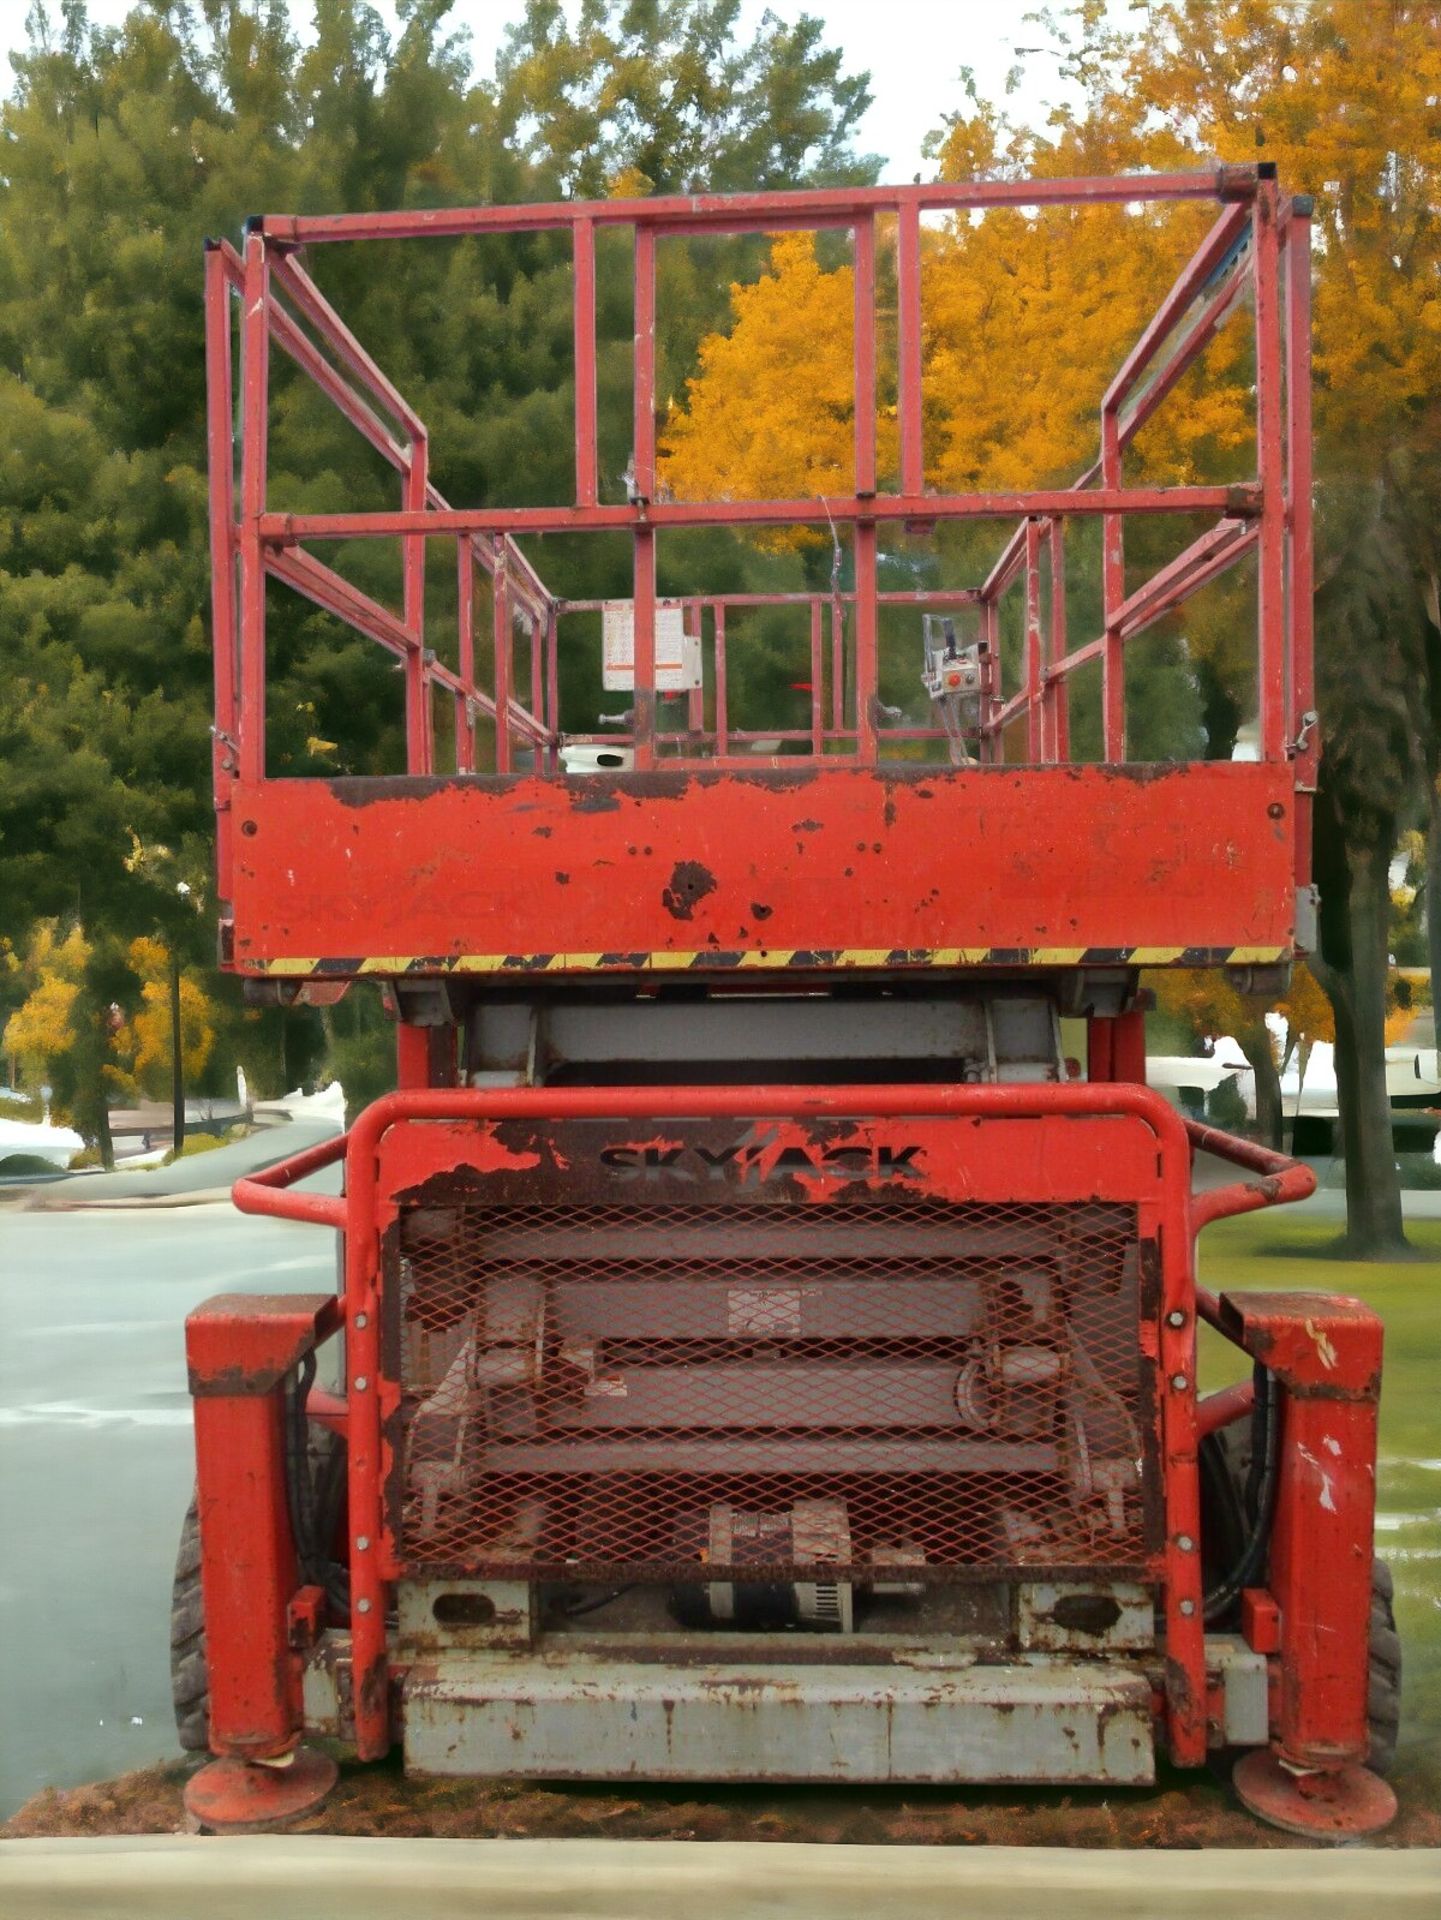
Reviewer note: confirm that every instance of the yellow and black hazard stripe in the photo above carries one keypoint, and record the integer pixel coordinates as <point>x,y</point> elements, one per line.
<point>764,959</point>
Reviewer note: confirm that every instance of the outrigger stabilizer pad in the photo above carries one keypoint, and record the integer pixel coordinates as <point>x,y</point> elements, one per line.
<point>1347,1804</point>
<point>249,1796</point>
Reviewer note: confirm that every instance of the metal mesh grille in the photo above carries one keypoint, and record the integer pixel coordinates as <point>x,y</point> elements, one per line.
<point>900,1388</point>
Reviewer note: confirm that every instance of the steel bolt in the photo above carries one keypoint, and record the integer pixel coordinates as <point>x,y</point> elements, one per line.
<point>362,1320</point>
<point>361,1383</point>
<point>362,1606</point>
<point>1188,1607</point>
<point>1185,1543</point>
<point>1179,1382</point>
<point>363,1542</point>
<point>1175,1318</point>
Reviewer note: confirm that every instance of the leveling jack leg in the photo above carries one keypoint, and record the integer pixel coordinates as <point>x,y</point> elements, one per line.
<point>252,1796</point>
<point>1346,1804</point>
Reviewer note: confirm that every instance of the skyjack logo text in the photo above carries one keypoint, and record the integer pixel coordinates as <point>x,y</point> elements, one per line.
<point>747,1160</point>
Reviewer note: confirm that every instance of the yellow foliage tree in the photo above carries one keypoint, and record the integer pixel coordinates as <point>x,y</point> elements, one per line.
<point>1342,97</point>
<point>1308,1014</point>
<point>1207,1002</point>
<point>771,413</point>
<point>1027,313</point>
<point>144,1043</point>
<point>41,1031</point>
<point>1025,316</point>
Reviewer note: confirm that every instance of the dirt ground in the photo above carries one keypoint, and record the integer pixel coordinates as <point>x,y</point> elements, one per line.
<point>1179,1812</point>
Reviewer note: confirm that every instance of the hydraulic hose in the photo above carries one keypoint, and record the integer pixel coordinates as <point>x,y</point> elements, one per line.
<point>1258,1501</point>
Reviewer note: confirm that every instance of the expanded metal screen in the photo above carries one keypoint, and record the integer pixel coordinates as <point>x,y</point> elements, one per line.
<point>893,1387</point>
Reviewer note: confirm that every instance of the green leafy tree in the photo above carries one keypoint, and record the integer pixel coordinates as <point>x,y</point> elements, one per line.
<point>123,147</point>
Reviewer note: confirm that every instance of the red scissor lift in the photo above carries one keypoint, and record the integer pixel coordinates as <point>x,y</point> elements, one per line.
<point>760,1355</point>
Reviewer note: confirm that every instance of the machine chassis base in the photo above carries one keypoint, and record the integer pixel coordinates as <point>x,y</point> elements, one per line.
<point>1049,1721</point>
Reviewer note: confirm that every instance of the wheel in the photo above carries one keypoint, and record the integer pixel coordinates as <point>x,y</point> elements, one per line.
<point>1226,1517</point>
<point>1383,1694</point>
<point>189,1681</point>
<point>189,1684</point>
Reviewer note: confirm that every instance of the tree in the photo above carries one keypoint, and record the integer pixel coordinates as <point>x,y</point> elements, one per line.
<point>1309,1018</point>
<point>770,412</point>
<point>1341,95</point>
<point>769,409</point>
<point>123,146</point>
<point>1213,1009</point>
<point>657,96</point>
<point>146,1042</point>
<point>64,1032</point>
<point>40,1033</point>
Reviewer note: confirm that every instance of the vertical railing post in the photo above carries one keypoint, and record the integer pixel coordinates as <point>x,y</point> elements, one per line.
<point>501,623</point>
<point>255,373</point>
<point>537,678</point>
<point>695,703</point>
<point>722,718</point>
<point>643,466</point>
<point>838,665</point>
<point>867,636</point>
<point>419,720</point>
<point>1271,612</point>
<point>586,489</point>
<point>464,704</point>
<point>1035,719</point>
<point>818,717</point>
<point>908,328</point>
<point>1113,593</point>
<point>1299,513</point>
<point>552,682</point>
<point>220,451</point>
<point>1058,691</point>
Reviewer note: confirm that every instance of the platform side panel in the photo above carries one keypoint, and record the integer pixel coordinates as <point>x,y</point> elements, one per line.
<point>1039,866</point>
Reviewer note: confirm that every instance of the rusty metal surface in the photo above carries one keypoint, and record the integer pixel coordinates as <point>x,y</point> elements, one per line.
<point>814,871</point>
<point>246,1343</point>
<point>580,1719</point>
<point>1320,1345</point>
<point>1058,1143</point>
<point>550,1421</point>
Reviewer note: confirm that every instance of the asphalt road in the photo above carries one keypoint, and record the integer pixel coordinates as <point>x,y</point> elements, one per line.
<point>96,1467</point>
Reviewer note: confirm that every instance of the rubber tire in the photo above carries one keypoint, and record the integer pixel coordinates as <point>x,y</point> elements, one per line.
<point>189,1681</point>
<point>1225,1463</point>
<point>1383,1694</point>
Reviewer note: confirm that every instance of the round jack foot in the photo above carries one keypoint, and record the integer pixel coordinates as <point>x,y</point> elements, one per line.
<point>243,1796</point>
<point>1345,1805</point>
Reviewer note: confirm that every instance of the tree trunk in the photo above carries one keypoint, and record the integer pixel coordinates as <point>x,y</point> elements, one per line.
<point>1374,1221</point>
<point>102,1130</point>
<point>92,1107</point>
<point>1433,913</point>
<point>177,1060</point>
<point>1260,1054</point>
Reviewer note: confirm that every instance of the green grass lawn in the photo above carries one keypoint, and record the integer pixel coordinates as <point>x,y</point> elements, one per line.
<point>1269,1250</point>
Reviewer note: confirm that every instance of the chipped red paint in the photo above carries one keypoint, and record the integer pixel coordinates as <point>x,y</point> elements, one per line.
<point>1325,1353</point>
<point>807,862</point>
<point>1054,1142</point>
<point>336,868</point>
<point>242,1344</point>
<point>1057,1142</point>
<point>1202,864</point>
<point>240,1349</point>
